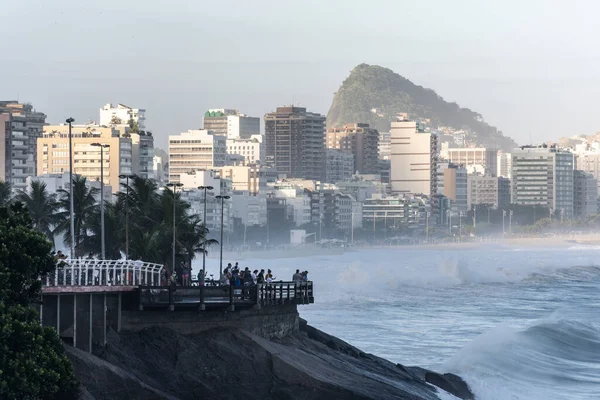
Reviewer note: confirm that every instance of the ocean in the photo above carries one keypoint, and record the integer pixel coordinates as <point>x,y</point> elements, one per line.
<point>514,323</point>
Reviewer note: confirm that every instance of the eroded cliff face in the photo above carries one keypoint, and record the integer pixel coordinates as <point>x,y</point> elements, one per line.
<point>232,363</point>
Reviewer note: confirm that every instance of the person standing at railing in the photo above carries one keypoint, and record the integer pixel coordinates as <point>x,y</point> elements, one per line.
<point>297,277</point>
<point>261,276</point>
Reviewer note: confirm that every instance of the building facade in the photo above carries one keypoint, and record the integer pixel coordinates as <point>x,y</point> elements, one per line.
<point>360,140</point>
<point>231,123</point>
<point>143,150</point>
<point>252,179</point>
<point>585,194</point>
<point>413,159</point>
<point>295,142</point>
<point>543,176</point>
<point>489,190</point>
<point>339,165</point>
<point>195,150</point>
<point>53,152</point>
<point>121,115</point>
<point>251,149</point>
<point>385,146</point>
<point>20,127</point>
<point>486,158</point>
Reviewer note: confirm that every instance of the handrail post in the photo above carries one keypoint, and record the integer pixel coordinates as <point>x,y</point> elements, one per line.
<point>281,293</point>
<point>202,305</point>
<point>288,293</point>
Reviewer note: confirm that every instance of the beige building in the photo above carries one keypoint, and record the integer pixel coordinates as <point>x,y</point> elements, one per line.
<point>413,159</point>
<point>360,140</point>
<point>252,179</point>
<point>195,150</point>
<point>480,156</point>
<point>53,152</point>
<point>250,149</point>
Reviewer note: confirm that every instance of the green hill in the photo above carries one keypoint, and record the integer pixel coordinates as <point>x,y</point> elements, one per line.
<point>375,95</point>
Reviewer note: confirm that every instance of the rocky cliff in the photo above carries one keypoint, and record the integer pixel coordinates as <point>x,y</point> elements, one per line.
<point>231,363</point>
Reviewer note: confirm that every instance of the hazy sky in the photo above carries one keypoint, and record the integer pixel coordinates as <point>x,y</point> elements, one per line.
<point>529,67</point>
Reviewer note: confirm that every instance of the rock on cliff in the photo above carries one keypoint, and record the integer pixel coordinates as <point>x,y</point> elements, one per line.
<point>158,363</point>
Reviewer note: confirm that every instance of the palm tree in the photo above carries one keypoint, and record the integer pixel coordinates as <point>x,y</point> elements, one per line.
<point>84,206</point>
<point>42,207</point>
<point>5,193</point>
<point>114,232</point>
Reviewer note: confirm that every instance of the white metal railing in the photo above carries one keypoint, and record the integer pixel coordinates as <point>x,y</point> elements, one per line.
<point>91,272</point>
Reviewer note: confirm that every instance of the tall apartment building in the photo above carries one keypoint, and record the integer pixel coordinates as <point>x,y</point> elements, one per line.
<point>53,152</point>
<point>413,159</point>
<point>195,150</point>
<point>339,165</point>
<point>486,158</point>
<point>452,183</point>
<point>231,123</point>
<point>590,162</point>
<point>251,149</point>
<point>332,212</point>
<point>543,176</point>
<point>585,194</point>
<point>295,142</point>
<point>20,127</point>
<point>360,140</point>
<point>143,150</point>
<point>121,115</point>
<point>489,190</point>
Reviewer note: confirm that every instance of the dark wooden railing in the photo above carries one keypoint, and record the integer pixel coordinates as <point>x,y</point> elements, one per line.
<point>264,295</point>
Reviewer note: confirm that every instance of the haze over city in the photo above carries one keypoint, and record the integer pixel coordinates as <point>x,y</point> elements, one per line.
<point>527,67</point>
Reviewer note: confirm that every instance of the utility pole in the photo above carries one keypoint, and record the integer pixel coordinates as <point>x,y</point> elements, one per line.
<point>503,216</point>
<point>102,147</point>
<point>510,214</point>
<point>460,225</point>
<point>222,198</point>
<point>427,226</point>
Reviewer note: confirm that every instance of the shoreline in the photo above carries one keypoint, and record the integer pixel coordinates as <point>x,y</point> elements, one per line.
<point>560,241</point>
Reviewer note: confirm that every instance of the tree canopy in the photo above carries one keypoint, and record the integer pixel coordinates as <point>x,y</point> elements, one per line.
<point>32,361</point>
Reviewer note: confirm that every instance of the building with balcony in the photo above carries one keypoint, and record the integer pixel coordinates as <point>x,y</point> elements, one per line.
<point>543,176</point>
<point>231,123</point>
<point>251,178</point>
<point>295,143</point>
<point>20,127</point>
<point>413,159</point>
<point>489,190</point>
<point>195,150</point>
<point>53,152</point>
<point>361,141</point>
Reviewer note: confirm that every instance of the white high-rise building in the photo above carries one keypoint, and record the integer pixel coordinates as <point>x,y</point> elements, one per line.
<point>543,176</point>
<point>413,159</point>
<point>195,150</point>
<point>504,164</point>
<point>231,123</point>
<point>251,149</point>
<point>121,115</point>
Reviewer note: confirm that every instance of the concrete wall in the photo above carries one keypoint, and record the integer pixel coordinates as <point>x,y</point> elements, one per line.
<point>267,322</point>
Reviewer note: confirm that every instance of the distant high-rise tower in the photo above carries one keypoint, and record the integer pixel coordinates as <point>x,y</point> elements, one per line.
<point>20,127</point>
<point>543,176</point>
<point>413,159</point>
<point>295,142</point>
<point>360,140</point>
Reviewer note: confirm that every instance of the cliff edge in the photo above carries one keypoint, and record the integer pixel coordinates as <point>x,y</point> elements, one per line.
<point>231,363</point>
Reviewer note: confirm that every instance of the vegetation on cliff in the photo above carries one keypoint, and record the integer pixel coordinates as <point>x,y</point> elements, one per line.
<point>376,95</point>
<point>32,361</point>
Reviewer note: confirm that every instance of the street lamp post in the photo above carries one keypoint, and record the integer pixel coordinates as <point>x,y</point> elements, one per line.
<point>352,229</point>
<point>71,202</point>
<point>503,216</point>
<point>222,198</point>
<point>126,213</point>
<point>174,186</point>
<point>450,222</point>
<point>205,188</point>
<point>460,225</point>
<point>102,245</point>
<point>510,214</point>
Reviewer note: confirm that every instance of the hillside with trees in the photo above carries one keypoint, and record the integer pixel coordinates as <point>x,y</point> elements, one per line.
<point>376,95</point>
